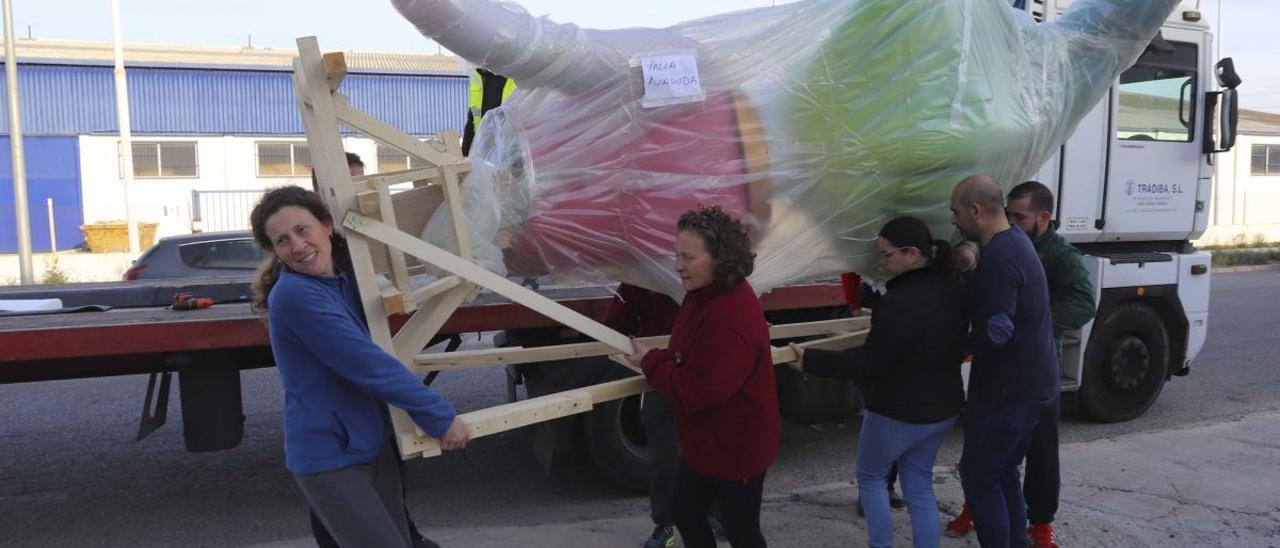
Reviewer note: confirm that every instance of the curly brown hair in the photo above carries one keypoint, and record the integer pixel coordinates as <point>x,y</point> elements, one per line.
<point>273,201</point>
<point>725,238</point>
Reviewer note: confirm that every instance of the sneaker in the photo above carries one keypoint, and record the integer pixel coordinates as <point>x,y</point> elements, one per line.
<point>1041,536</point>
<point>662,537</point>
<point>717,528</point>
<point>962,525</point>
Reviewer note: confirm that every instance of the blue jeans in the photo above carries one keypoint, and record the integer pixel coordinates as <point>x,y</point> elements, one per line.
<point>996,436</point>
<point>882,442</point>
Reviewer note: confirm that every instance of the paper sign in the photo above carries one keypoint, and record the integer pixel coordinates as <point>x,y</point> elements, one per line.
<point>670,79</point>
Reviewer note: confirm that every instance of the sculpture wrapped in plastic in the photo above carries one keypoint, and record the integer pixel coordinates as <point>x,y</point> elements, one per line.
<point>815,122</point>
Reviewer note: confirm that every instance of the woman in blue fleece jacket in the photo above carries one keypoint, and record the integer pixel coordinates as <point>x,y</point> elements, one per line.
<point>337,382</point>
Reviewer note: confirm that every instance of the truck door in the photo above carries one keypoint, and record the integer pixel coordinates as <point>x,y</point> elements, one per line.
<point>1155,156</point>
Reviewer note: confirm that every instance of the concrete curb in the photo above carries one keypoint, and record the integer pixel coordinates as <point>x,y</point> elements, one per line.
<point>1250,268</point>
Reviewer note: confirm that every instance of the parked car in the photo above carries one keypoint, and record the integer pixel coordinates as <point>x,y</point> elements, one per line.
<point>208,254</point>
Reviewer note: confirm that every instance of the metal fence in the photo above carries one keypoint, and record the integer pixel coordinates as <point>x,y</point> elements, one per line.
<point>218,210</point>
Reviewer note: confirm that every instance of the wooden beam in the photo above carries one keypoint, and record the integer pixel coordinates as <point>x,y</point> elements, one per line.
<point>784,354</point>
<point>453,196</point>
<point>369,182</point>
<point>822,327</point>
<point>399,271</point>
<point>622,360</point>
<point>472,359</point>
<point>507,417</point>
<point>335,69</point>
<point>329,162</point>
<point>514,415</point>
<point>493,357</point>
<point>380,131</point>
<point>426,322</point>
<point>437,287</point>
<point>392,300</point>
<point>493,282</point>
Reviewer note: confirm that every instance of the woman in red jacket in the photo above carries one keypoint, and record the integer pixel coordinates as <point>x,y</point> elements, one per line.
<point>718,373</point>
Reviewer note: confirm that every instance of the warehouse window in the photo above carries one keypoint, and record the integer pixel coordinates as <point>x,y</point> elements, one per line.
<point>165,160</point>
<point>392,159</point>
<point>1266,160</point>
<point>283,160</point>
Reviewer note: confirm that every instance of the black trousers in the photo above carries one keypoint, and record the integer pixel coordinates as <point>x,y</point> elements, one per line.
<point>361,505</point>
<point>1043,480</point>
<point>738,501</point>
<point>664,456</point>
<point>325,540</point>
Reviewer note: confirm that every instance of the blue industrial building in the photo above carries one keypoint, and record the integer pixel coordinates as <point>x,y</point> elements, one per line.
<point>193,104</point>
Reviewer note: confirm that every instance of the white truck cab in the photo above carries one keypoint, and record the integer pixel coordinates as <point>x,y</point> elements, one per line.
<point>1132,186</point>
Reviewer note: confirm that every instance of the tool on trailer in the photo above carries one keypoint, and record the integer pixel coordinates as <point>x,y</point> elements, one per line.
<point>187,301</point>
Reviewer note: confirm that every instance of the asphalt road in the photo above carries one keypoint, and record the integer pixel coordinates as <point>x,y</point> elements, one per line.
<point>71,474</point>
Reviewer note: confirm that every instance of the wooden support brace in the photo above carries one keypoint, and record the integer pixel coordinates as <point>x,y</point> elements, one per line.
<point>393,301</point>
<point>452,263</point>
<point>335,69</point>
<point>514,415</point>
<point>328,158</point>
<point>472,359</point>
<point>453,196</point>
<point>523,413</point>
<point>369,182</point>
<point>380,131</point>
<point>399,270</point>
<point>428,320</point>
<point>512,356</point>
<point>821,327</point>
<point>437,287</point>
<point>784,354</point>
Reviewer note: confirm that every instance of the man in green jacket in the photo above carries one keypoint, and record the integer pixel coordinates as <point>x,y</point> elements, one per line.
<point>1071,299</point>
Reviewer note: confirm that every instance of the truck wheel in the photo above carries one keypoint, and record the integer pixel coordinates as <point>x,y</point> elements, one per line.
<point>617,442</point>
<point>1126,364</point>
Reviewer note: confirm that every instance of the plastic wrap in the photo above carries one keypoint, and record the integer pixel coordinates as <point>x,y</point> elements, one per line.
<point>815,122</point>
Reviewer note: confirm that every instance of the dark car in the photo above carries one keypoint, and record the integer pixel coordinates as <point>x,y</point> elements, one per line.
<point>204,255</point>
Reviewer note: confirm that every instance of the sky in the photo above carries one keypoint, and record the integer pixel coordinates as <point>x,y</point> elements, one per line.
<point>1248,33</point>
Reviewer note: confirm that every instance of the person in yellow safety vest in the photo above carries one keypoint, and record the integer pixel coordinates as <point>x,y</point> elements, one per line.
<point>483,96</point>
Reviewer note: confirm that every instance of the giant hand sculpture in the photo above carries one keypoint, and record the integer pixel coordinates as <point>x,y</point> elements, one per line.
<point>817,122</point>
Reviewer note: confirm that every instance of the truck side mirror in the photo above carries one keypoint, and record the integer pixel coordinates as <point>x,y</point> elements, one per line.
<point>1220,120</point>
<point>1223,110</point>
<point>1226,73</point>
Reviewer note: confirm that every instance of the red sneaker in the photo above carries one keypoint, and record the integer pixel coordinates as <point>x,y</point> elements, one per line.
<point>1042,535</point>
<point>962,525</point>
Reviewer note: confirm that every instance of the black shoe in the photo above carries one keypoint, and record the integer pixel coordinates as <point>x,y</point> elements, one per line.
<point>895,501</point>
<point>717,528</point>
<point>662,537</point>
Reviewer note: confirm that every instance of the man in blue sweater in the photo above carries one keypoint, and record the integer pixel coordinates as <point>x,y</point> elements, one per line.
<point>1014,374</point>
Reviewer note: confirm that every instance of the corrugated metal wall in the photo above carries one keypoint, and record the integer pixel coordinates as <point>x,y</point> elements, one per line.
<point>53,172</point>
<point>72,100</point>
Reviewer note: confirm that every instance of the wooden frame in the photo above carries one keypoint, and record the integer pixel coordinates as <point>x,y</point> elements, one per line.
<point>382,232</point>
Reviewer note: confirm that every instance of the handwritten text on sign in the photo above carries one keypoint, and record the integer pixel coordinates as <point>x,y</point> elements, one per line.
<point>671,79</point>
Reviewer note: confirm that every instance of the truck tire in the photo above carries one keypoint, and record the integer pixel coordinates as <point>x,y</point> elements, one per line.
<point>618,445</point>
<point>1126,364</point>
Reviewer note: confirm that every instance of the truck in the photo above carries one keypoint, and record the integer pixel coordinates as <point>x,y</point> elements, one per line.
<point>1132,185</point>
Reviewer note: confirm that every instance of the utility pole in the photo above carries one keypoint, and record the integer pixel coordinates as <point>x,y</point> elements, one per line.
<point>126,138</point>
<point>21,215</point>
